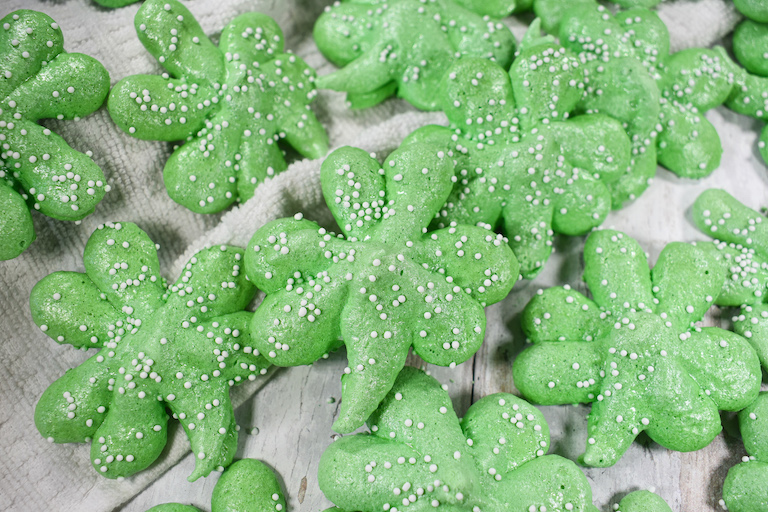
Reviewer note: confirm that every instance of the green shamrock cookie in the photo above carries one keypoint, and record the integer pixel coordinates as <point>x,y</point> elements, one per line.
<point>741,237</point>
<point>178,347</point>
<point>660,97</point>
<point>642,501</point>
<point>750,45</point>
<point>522,164</point>
<point>634,351</point>
<point>753,423</point>
<point>549,11</point>
<point>231,104</point>
<point>750,98</point>
<point>114,4</point>
<point>753,9</point>
<point>742,240</point>
<point>382,287</point>
<point>38,170</point>
<point>496,8</point>
<point>628,4</point>
<point>248,485</point>
<point>405,46</point>
<point>420,456</point>
<point>744,489</point>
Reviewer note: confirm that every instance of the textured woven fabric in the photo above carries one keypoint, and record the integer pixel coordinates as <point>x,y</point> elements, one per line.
<point>40,476</point>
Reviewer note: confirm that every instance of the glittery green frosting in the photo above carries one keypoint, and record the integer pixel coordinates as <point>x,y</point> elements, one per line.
<point>177,348</point>
<point>634,351</point>
<point>627,52</point>
<point>173,507</point>
<point>231,104</point>
<point>750,45</point>
<point>549,11</point>
<point>382,287</point>
<point>643,501</point>
<point>496,8</point>
<point>661,97</point>
<point>248,485</point>
<point>744,489</point>
<point>741,237</point>
<point>637,3</point>
<point>753,9</point>
<point>114,4</point>
<point>420,456</point>
<point>38,170</point>
<point>522,163</point>
<point>404,47</point>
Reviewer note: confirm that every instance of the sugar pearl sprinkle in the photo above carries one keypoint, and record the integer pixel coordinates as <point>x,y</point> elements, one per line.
<point>34,162</point>
<point>383,286</point>
<point>231,105</point>
<point>520,158</point>
<point>636,351</point>
<point>404,46</point>
<point>418,454</point>
<point>178,347</point>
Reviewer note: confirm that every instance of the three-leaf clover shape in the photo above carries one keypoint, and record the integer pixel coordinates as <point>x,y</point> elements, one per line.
<point>248,485</point>
<point>178,347</point>
<point>39,80</point>
<point>403,46</point>
<point>741,238</point>
<point>231,104</point>
<point>661,98</point>
<point>634,351</point>
<point>382,287</point>
<point>744,489</point>
<point>522,164</point>
<point>419,456</point>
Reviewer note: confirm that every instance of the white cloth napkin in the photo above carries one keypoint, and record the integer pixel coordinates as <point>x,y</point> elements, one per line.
<point>38,476</point>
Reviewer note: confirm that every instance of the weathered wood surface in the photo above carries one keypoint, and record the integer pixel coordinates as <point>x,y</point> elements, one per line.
<point>295,410</point>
